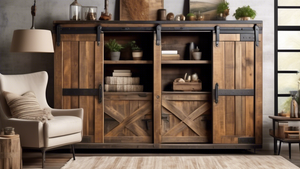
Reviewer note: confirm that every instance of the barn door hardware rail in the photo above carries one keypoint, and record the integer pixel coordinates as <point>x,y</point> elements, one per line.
<point>81,30</point>
<point>84,92</point>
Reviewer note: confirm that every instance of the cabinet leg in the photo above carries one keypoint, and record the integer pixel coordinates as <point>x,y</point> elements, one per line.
<point>289,150</point>
<point>279,148</point>
<point>275,146</point>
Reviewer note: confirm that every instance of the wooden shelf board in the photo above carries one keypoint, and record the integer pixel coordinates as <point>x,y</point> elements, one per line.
<point>179,92</point>
<point>291,132</point>
<point>128,62</point>
<point>288,140</point>
<point>125,93</point>
<point>282,118</point>
<point>185,62</point>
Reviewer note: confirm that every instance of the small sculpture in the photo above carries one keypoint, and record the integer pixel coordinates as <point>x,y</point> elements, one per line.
<point>170,16</point>
<point>105,15</point>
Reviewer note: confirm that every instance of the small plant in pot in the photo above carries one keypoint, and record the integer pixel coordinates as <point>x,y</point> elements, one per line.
<point>244,13</point>
<point>191,17</point>
<point>223,9</point>
<point>114,48</point>
<point>137,52</point>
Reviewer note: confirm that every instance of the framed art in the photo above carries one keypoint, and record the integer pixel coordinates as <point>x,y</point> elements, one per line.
<point>206,8</point>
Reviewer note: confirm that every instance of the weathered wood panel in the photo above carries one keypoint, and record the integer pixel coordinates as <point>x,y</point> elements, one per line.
<point>186,118</point>
<point>156,91</point>
<point>127,120</point>
<point>67,73</point>
<point>218,77</point>
<point>99,79</point>
<point>58,76</point>
<point>258,91</point>
<point>233,69</point>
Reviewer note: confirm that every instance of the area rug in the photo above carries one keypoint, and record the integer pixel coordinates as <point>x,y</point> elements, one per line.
<point>181,162</point>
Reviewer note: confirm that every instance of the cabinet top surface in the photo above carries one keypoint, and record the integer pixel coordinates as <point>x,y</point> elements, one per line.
<point>215,22</point>
<point>281,118</point>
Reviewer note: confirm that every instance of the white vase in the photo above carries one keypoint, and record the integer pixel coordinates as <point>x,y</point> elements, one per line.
<point>137,55</point>
<point>191,50</point>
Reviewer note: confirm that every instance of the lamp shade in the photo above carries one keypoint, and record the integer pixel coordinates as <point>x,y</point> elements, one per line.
<point>32,40</point>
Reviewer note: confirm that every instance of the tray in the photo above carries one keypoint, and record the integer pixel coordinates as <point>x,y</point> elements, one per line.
<point>187,86</point>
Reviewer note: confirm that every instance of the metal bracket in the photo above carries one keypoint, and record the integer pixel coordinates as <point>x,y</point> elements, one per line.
<point>165,117</point>
<point>247,37</point>
<point>142,94</point>
<point>246,140</point>
<point>158,35</point>
<point>100,93</point>
<point>235,92</point>
<point>217,30</point>
<point>84,92</point>
<point>256,34</point>
<point>58,32</point>
<point>147,122</point>
<point>99,28</point>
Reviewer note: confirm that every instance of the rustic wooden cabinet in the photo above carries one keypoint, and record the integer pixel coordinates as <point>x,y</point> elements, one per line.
<point>228,109</point>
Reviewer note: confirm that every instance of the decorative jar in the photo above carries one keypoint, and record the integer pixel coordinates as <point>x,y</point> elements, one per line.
<point>75,11</point>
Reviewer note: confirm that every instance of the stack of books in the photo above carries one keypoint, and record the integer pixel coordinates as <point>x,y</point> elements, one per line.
<point>121,81</point>
<point>170,55</point>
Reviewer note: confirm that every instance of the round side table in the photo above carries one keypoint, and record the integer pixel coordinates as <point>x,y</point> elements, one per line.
<point>10,152</point>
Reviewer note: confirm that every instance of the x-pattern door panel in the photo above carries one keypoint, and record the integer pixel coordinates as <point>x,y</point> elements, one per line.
<point>185,120</point>
<point>128,121</point>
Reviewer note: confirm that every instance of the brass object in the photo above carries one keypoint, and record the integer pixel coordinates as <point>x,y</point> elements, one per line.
<point>170,16</point>
<point>179,17</point>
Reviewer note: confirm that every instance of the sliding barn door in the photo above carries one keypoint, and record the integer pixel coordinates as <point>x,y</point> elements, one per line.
<point>78,67</point>
<point>234,91</point>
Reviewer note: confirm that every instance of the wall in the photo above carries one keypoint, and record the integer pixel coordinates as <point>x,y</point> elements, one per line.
<point>16,15</point>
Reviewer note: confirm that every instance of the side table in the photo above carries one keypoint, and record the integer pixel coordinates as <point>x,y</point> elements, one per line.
<point>10,152</point>
<point>286,140</point>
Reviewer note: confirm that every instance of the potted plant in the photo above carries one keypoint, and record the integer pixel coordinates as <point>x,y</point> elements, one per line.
<point>244,13</point>
<point>190,17</point>
<point>114,48</point>
<point>223,9</point>
<point>137,52</point>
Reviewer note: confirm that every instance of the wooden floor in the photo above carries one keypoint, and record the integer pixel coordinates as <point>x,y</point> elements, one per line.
<point>56,159</point>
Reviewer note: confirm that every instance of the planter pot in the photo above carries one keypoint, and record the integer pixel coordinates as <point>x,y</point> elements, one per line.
<point>137,55</point>
<point>191,18</point>
<point>115,55</point>
<point>244,18</point>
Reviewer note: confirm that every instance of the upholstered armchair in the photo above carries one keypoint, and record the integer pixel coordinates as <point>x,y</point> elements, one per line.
<point>65,127</point>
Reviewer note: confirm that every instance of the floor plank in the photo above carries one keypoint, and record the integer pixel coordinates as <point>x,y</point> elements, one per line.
<point>57,158</point>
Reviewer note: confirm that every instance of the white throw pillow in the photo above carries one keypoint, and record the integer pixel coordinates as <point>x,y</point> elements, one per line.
<point>26,106</point>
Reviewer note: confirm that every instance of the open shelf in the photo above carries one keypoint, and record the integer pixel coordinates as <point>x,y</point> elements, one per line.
<point>126,93</point>
<point>128,62</point>
<point>186,62</point>
<point>182,92</point>
<point>288,140</point>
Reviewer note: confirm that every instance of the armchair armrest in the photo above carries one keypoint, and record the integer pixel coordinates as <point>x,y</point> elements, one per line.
<point>30,131</point>
<point>68,112</point>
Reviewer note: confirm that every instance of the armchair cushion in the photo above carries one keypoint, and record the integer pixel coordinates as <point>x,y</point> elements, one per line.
<point>26,106</point>
<point>63,125</point>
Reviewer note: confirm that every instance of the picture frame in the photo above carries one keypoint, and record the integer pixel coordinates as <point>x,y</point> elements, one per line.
<point>206,8</point>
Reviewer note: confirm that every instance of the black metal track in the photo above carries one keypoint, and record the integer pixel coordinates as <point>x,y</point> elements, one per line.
<point>288,71</point>
<point>288,50</point>
<point>288,28</point>
<point>295,7</point>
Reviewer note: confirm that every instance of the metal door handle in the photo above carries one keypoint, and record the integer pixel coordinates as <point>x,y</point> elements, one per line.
<point>216,93</point>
